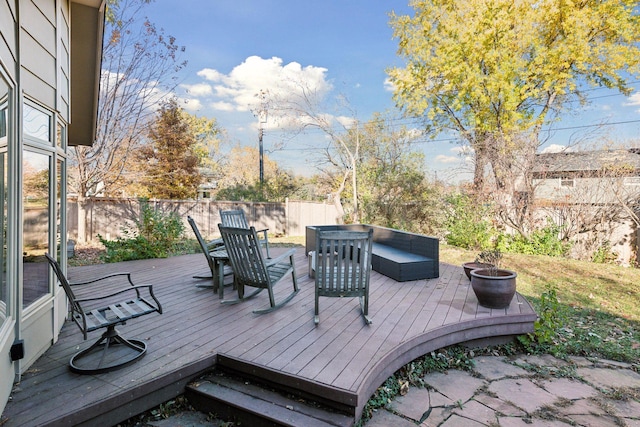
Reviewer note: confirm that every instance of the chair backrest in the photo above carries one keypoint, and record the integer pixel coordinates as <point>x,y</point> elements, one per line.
<point>201,242</point>
<point>245,256</point>
<point>234,218</point>
<point>343,262</point>
<point>75,306</point>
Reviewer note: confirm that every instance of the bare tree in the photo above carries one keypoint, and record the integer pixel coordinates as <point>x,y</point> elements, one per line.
<point>140,66</point>
<point>304,108</point>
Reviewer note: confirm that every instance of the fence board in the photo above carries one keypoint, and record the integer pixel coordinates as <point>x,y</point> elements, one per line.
<point>106,216</point>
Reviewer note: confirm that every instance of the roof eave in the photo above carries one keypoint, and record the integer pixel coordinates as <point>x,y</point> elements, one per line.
<point>87,28</point>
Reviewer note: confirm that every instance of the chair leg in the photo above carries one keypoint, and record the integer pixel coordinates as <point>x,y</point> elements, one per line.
<point>241,296</point>
<point>266,245</point>
<point>217,278</point>
<point>107,341</point>
<point>294,278</point>
<point>364,306</point>
<point>278,305</point>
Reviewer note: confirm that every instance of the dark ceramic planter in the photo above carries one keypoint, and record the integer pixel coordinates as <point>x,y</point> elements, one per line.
<point>494,291</point>
<point>468,266</point>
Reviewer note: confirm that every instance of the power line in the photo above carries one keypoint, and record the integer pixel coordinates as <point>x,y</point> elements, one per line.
<point>417,122</point>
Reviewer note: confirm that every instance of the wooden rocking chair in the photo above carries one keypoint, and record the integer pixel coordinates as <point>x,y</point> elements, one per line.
<point>251,269</point>
<point>236,218</point>
<point>114,312</point>
<point>216,257</point>
<point>343,267</point>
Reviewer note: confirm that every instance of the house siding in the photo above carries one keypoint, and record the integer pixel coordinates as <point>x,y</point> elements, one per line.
<point>35,62</point>
<point>600,179</point>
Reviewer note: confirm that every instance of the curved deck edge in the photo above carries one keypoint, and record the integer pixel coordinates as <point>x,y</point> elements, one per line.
<point>455,333</point>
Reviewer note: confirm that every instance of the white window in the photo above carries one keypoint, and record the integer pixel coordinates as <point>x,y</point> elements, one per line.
<point>632,180</point>
<point>567,182</point>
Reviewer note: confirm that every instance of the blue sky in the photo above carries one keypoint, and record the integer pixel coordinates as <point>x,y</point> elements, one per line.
<point>235,48</point>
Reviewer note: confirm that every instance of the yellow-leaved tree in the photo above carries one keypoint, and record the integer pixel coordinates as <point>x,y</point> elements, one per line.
<point>494,72</point>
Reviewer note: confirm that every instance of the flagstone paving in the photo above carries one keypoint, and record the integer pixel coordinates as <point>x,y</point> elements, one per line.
<point>523,391</point>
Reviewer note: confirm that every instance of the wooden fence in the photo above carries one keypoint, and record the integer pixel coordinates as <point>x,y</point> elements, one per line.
<point>107,216</point>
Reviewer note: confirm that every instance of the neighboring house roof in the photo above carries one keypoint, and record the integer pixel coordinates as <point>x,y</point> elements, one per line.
<point>585,161</point>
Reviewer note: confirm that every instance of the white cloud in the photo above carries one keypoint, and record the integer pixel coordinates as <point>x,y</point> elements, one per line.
<point>634,100</point>
<point>148,95</point>
<point>554,148</point>
<point>441,158</point>
<point>191,104</point>
<point>237,90</point>
<point>222,106</point>
<point>200,89</point>
<point>415,132</point>
<point>388,85</point>
<point>210,74</point>
<point>345,121</point>
<point>462,150</point>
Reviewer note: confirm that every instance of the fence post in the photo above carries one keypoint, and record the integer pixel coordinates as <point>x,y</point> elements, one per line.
<point>286,216</point>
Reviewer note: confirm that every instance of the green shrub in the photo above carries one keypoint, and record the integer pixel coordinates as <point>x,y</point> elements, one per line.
<point>156,235</point>
<point>467,224</point>
<point>551,319</point>
<point>604,255</point>
<point>544,241</point>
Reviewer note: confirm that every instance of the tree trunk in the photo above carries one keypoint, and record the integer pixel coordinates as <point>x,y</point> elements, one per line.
<point>478,172</point>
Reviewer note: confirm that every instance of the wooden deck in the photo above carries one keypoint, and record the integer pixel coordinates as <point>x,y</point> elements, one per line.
<point>342,358</point>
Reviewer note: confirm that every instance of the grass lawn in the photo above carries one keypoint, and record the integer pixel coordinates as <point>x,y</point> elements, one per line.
<point>597,305</point>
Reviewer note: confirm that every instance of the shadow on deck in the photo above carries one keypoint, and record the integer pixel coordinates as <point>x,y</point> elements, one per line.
<point>340,362</point>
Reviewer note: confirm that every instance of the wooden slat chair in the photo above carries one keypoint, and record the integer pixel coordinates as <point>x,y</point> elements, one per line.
<point>106,354</point>
<point>251,269</point>
<point>211,250</point>
<point>343,267</point>
<point>236,218</point>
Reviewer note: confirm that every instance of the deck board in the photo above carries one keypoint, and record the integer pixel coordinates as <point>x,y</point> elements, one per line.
<point>342,356</point>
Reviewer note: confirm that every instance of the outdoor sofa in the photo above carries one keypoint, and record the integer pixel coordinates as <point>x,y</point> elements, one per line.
<point>401,255</point>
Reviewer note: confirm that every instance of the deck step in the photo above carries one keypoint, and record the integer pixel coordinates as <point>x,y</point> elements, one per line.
<point>236,399</point>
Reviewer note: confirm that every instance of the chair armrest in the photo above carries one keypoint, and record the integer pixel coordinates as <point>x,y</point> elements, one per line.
<point>272,261</point>
<point>103,278</point>
<point>214,244</point>
<point>264,232</point>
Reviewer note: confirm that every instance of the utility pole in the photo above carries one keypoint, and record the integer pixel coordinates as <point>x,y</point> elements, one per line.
<point>261,113</point>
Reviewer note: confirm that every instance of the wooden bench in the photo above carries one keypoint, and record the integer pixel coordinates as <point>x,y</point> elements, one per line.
<point>401,255</point>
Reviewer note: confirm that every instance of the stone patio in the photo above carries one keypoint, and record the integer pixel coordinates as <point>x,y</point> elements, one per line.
<point>521,391</point>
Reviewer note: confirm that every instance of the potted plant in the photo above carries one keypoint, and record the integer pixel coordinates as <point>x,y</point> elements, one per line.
<point>494,287</point>
<point>469,266</point>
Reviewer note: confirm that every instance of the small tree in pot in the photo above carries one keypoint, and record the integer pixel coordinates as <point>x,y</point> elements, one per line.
<point>484,260</point>
<point>494,287</point>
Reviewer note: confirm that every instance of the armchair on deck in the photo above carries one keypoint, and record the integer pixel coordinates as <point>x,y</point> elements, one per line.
<point>105,354</point>
<point>251,269</point>
<point>216,257</point>
<point>236,218</point>
<point>343,267</point>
